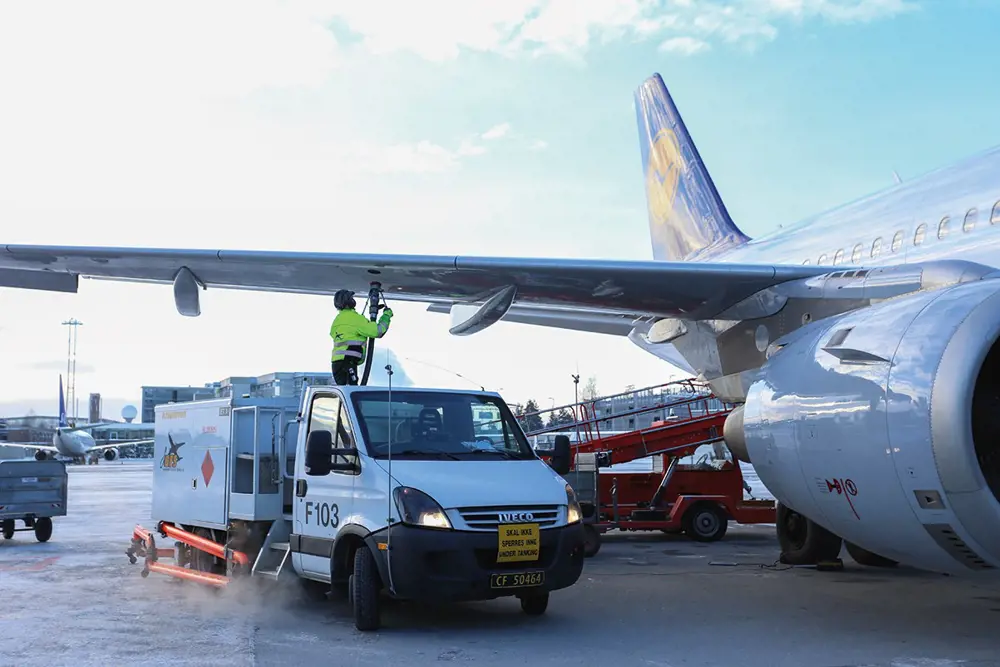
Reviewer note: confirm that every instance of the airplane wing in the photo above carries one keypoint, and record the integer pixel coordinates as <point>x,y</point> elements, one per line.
<point>608,291</point>
<point>119,443</point>
<point>28,445</point>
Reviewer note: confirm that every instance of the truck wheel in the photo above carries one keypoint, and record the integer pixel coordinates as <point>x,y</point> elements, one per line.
<point>535,605</point>
<point>43,529</point>
<point>365,589</point>
<point>705,522</point>
<point>803,541</point>
<point>865,557</point>
<point>8,529</point>
<point>591,540</point>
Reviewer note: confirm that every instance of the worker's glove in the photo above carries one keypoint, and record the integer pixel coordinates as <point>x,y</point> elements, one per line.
<point>387,312</point>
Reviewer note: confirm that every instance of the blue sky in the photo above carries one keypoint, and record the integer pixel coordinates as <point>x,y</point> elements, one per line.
<point>493,128</point>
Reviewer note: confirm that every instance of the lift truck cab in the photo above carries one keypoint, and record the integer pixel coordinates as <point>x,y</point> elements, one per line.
<point>286,488</point>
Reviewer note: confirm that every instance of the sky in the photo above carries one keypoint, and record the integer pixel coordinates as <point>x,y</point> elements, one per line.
<point>496,128</point>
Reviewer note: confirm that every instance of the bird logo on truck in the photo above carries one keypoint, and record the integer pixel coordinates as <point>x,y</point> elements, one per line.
<point>171,458</point>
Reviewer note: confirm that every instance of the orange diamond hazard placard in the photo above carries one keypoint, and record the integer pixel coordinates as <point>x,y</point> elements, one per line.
<point>207,468</point>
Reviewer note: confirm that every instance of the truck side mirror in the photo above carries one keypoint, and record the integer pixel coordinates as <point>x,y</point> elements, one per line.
<point>319,453</point>
<point>561,455</point>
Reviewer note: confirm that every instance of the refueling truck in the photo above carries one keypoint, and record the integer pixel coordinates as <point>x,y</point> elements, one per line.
<point>418,494</point>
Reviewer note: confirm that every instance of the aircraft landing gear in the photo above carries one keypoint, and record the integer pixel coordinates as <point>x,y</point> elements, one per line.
<point>803,541</point>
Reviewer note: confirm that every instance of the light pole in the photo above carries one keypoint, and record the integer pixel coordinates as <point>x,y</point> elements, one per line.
<point>73,324</point>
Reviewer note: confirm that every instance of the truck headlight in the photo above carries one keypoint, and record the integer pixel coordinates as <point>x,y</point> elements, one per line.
<point>416,508</point>
<point>573,512</point>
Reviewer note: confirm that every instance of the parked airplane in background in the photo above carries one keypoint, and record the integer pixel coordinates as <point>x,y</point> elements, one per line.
<point>74,442</point>
<point>860,344</point>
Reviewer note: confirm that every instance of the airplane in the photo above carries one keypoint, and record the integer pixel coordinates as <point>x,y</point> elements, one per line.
<point>74,442</point>
<point>859,345</point>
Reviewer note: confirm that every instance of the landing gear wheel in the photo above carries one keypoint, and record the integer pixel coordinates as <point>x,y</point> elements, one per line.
<point>535,605</point>
<point>865,557</point>
<point>591,540</point>
<point>803,541</point>
<point>8,529</point>
<point>43,529</point>
<point>705,522</point>
<point>365,588</point>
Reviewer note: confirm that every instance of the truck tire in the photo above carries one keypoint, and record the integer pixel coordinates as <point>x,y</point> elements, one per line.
<point>536,604</point>
<point>705,522</point>
<point>591,540</point>
<point>8,529</point>
<point>43,529</point>
<point>365,589</point>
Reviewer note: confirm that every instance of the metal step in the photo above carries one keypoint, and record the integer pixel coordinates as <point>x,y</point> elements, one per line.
<point>270,574</point>
<point>280,546</point>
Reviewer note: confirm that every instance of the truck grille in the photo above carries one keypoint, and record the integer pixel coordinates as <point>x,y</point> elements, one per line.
<point>488,518</point>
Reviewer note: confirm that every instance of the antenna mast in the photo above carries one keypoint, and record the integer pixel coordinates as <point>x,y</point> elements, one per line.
<point>73,325</point>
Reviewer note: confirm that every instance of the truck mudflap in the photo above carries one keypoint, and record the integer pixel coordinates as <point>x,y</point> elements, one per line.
<point>143,545</point>
<point>430,564</point>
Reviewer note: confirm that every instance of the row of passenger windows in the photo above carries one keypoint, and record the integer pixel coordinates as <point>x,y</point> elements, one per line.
<point>968,224</point>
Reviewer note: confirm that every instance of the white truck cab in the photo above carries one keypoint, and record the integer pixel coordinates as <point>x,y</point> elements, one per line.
<point>421,494</point>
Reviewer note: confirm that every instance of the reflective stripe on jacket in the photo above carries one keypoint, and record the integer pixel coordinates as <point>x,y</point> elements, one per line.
<point>351,330</point>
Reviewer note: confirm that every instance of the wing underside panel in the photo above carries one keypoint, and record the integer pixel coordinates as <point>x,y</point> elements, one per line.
<point>625,288</point>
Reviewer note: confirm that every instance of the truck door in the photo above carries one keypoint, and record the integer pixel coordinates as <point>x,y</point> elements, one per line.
<point>322,502</point>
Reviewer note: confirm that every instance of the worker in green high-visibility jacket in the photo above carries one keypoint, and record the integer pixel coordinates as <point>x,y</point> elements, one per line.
<point>350,332</point>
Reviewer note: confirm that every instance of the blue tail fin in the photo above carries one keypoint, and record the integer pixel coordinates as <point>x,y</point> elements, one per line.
<point>63,423</point>
<point>687,219</point>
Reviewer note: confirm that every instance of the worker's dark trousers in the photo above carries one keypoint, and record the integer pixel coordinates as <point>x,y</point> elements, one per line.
<point>345,371</point>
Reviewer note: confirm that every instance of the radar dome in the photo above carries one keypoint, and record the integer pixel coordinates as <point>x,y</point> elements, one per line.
<point>129,413</point>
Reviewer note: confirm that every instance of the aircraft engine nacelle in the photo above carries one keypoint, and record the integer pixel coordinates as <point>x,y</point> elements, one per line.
<point>883,426</point>
<point>41,455</point>
<point>110,454</point>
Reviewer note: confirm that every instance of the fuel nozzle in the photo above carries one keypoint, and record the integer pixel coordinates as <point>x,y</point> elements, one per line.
<point>374,294</point>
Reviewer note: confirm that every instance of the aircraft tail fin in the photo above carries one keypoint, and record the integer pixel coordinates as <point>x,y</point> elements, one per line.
<point>63,423</point>
<point>687,219</point>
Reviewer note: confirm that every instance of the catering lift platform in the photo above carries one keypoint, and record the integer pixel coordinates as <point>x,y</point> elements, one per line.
<point>683,420</point>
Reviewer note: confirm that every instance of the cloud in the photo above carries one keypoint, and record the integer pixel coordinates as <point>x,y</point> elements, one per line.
<point>497,131</point>
<point>571,27</point>
<point>538,145</point>
<point>687,46</point>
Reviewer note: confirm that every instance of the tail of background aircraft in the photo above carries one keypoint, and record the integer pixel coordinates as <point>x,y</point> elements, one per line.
<point>63,423</point>
<point>687,219</point>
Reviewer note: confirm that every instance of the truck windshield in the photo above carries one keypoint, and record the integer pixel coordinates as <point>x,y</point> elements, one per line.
<point>433,425</point>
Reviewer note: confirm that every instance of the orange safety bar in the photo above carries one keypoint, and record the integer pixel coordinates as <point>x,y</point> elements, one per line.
<point>204,544</point>
<point>144,545</point>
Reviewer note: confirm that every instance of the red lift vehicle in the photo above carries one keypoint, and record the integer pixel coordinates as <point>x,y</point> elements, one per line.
<point>697,498</point>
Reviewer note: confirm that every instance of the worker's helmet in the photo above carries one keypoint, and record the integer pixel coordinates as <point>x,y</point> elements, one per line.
<point>344,299</point>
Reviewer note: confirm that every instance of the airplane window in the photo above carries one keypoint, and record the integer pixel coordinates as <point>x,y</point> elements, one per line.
<point>943,227</point>
<point>876,247</point>
<point>821,260</point>
<point>838,258</point>
<point>970,220</point>
<point>897,241</point>
<point>995,216</point>
<point>921,232</point>
<point>856,254</point>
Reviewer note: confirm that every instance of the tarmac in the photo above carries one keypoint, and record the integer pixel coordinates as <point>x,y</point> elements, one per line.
<point>644,599</point>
